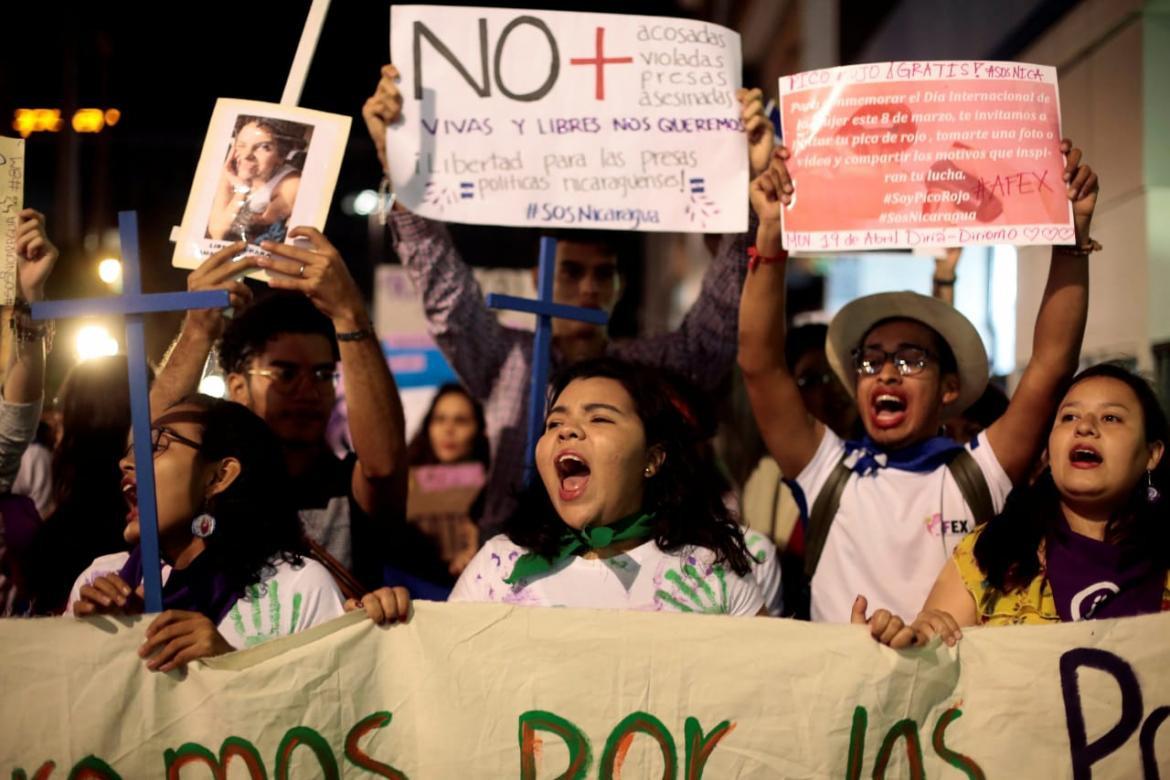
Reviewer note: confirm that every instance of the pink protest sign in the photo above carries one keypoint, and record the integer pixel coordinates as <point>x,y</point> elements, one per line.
<point>905,154</point>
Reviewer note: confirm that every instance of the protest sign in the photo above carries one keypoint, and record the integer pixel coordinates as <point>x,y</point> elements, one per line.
<point>265,169</point>
<point>929,154</point>
<point>556,119</point>
<point>11,204</point>
<point>444,489</point>
<point>487,691</point>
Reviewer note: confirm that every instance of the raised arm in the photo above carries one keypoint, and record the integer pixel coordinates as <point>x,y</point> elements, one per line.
<point>24,381</point>
<point>703,347</point>
<point>790,432</point>
<point>942,286</point>
<point>467,331</point>
<point>1018,436</point>
<point>35,257</point>
<point>376,420</point>
<point>182,366</point>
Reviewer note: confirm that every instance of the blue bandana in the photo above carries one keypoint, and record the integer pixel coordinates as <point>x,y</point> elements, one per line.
<point>865,457</point>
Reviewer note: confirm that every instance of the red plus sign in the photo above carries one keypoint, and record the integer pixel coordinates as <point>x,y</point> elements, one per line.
<point>600,61</point>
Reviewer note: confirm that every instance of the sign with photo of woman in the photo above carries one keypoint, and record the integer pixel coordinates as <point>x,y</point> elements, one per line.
<point>265,168</point>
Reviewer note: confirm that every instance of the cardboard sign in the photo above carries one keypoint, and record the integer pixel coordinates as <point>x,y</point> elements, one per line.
<point>487,691</point>
<point>555,119</point>
<point>11,204</point>
<point>444,489</point>
<point>265,169</point>
<point>903,154</point>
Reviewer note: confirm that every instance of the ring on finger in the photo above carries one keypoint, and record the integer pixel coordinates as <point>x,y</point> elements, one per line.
<point>301,272</point>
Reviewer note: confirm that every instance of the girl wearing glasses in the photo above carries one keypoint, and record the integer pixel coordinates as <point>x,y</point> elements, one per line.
<point>235,572</point>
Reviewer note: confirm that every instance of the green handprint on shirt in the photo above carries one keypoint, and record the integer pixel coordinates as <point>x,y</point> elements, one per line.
<point>755,539</point>
<point>696,589</point>
<point>257,632</point>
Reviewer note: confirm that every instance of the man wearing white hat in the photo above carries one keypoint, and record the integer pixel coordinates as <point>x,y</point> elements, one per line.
<point>887,511</point>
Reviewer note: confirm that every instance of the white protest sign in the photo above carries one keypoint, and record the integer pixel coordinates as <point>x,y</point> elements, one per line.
<point>11,203</point>
<point>490,691</point>
<point>556,119</point>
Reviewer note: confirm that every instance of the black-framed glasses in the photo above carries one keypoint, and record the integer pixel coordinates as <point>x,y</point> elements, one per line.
<point>285,377</point>
<point>811,379</point>
<point>161,438</point>
<point>908,360</point>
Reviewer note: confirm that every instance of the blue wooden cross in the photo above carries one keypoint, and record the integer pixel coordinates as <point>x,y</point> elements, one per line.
<point>544,309</point>
<point>133,304</point>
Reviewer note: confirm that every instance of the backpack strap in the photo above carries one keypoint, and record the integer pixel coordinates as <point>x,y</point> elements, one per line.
<point>820,518</point>
<point>972,484</point>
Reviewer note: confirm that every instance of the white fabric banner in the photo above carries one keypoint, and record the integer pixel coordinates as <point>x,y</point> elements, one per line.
<point>557,119</point>
<point>491,691</point>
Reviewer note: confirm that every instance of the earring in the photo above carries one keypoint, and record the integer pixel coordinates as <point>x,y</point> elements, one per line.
<point>203,526</point>
<point>649,472</point>
<point>1152,493</point>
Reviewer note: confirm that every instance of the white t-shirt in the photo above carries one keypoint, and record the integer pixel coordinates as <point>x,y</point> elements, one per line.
<point>289,599</point>
<point>894,531</point>
<point>765,570</point>
<point>644,578</point>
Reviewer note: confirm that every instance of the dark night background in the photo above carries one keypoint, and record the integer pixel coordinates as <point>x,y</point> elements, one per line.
<point>163,65</point>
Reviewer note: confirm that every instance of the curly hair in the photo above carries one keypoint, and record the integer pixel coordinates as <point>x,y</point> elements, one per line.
<point>256,521</point>
<point>420,452</point>
<point>683,494</point>
<point>1006,549</point>
<point>288,136</point>
<point>272,315</point>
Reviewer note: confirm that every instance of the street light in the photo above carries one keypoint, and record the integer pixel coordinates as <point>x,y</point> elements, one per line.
<point>110,270</point>
<point>94,341</point>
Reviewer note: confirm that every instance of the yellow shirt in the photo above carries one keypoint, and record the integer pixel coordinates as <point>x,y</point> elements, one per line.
<point>1031,605</point>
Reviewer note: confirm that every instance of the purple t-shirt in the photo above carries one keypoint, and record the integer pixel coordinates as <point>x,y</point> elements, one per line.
<point>1095,579</point>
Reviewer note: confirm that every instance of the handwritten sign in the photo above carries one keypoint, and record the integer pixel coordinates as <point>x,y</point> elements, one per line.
<point>930,154</point>
<point>556,119</point>
<point>473,690</point>
<point>11,203</point>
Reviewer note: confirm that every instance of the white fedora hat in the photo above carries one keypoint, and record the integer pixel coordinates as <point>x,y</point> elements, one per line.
<point>858,317</point>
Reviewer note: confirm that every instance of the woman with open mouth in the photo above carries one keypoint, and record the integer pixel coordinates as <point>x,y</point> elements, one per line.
<point>235,570</point>
<point>622,515</point>
<point>1089,539</point>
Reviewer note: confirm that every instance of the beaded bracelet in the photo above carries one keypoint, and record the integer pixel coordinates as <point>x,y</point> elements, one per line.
<point>24,331</point>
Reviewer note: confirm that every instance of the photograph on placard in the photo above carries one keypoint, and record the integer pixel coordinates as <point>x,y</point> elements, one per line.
<point>264,169</point>
<point>260,180</point>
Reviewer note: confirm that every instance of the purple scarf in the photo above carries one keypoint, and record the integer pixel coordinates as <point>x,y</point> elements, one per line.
<point>197,588</point>
<point>1094,579</point>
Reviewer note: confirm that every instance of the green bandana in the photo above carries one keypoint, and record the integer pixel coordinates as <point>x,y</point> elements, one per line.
<point>574,542</point>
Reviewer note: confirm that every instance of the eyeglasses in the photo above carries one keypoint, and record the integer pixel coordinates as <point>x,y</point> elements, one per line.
<point>161,438</point>
<point>284,378</point>
<point>908,360</point>
<point>813,379</point>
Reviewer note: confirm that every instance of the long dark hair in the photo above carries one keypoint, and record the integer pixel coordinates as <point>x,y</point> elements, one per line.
<point>89,514</point>
<point>1006,550</point>
<point>95,421</point>
<point>256,522</point>
<point>684,495</point>
<point>421,453</point>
